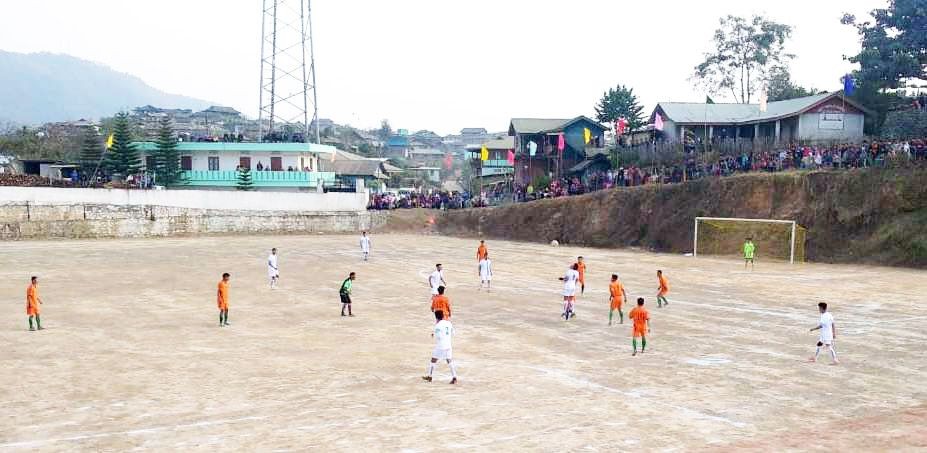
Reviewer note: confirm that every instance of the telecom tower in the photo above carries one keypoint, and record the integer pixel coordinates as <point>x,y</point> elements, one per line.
<point>288,92</point>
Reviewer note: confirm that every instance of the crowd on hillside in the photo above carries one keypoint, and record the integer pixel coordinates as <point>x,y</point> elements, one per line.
<point>421,199</point>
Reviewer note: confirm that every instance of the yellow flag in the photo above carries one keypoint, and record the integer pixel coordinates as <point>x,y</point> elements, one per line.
<point>587,134</point>
<point>109,141</point>
<point>484,154</point>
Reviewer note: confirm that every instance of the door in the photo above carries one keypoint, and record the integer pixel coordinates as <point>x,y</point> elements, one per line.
<point>186,163</point>
<point>276,164</point>
<point>245,162</point>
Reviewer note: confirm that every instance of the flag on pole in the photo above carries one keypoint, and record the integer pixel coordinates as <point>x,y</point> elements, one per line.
<point>764,98</point>
<point>532,148</point>
<point>109,141</point>
<point>621,125</point>
<point>657,122</point>
<point>848,85</point>
<point>709,100</point>
<point>587,135</point>
<point>448,161</point>
<point>510,157</point>
<point>484,154</point>
<point>561,143</point>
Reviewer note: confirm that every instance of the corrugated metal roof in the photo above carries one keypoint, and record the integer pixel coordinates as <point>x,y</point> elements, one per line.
<point>544,125</point>
<point>354,167</point>
<point>507,142</point>
<point>699,113</point>
<point>191,147</point>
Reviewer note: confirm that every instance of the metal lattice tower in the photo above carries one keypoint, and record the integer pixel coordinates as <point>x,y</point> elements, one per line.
<point>288,90</point>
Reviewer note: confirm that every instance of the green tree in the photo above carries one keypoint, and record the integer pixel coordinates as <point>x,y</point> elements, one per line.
<point>123,156</point>
<point>782,88</point>
<point>744,53</point>
<point>91,152</point>
<point>894,47</point>
<point>244,179</point>
<point>620,102</point>
<point>385,130</point>
<point>167,158</point>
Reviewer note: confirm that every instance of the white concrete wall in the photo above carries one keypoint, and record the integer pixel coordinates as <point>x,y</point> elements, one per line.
<point>852,128</point>
<point>194,199</point>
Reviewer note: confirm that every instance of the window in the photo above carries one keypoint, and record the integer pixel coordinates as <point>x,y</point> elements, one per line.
<point>276,164</point>
<point>245,162</point>
<point>213,163</point>
<point>186,163</point>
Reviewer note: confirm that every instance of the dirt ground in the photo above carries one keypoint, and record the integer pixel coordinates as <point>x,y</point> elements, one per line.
<point>132,357</point>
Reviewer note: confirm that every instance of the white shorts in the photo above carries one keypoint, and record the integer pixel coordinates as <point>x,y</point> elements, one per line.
<point>486,278</point>
<point>441,354</point>
<point>272,273</point>
<point>826,341</point>
<point>569,292</point>
<point>434,291</point>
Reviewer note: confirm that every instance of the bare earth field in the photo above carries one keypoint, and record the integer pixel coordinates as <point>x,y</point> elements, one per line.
<point>132,357</point>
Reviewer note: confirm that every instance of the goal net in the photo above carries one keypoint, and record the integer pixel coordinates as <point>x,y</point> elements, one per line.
<point>776,239</point>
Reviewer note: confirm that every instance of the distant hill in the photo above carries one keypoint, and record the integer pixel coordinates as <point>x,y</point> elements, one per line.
<point>42,87</point>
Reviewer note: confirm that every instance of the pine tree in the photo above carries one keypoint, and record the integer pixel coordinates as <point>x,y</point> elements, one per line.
<point>123,156</point>
<point>244,179</point>
<point>167,158</point>
<point>90,153</point>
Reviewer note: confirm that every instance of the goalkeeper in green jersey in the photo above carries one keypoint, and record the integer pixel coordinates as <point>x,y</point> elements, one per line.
<point>749,253</point>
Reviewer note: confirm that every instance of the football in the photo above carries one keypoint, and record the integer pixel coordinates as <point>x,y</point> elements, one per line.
<point>554,243</point>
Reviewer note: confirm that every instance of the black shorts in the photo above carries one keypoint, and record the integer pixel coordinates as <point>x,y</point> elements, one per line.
<point>345,298</point>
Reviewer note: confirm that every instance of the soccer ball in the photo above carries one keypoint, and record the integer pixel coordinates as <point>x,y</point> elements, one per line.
<point>554,243</point>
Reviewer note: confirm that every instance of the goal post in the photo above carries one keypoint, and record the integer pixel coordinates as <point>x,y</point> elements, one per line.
<point>784,239</point>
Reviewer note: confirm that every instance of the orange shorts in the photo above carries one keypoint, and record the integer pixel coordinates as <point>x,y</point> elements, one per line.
<point>663,292</point>
<point>640,331</point>
<point>32,310</point>
<point>616,303</point>
<point>222,306</point>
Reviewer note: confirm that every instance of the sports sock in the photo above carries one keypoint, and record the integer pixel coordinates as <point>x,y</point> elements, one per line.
<point>30,323</point>
<point>453,369</point>
<point>833,353</point>
<point>610,313</point>
<point>634,343</point>
<point>643,343</point>
<point>220,317</point>
<point>38,322</point>
<point>620,315</point>
<point>349,310</point>
<point>431,368</point>
<point>342,309</point>
<point>817,351</point>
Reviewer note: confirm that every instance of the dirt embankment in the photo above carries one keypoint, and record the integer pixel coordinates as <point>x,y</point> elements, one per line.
<point>860,216</point>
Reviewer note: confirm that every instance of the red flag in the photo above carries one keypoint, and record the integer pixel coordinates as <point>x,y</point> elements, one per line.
<point>511,157</point>
<point>448,161</point>
<point>561,143</point>
<point>621,125</point>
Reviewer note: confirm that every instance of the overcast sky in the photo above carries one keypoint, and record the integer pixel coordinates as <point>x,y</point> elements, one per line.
<point>431,64</point>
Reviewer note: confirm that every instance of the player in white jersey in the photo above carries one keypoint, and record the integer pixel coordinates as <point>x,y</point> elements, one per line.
<point>436,279</point>
<point>486,273</point>
<point>443,332</point>
<point>365,245</point>
<point>273,272</point>
<point>828,334</point>
<point>569,291</point>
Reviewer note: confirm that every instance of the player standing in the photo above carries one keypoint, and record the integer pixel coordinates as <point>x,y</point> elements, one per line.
<point>749,253</point>
<point>581,268</point>
<point>616,298</point>
<point>828,334</point>
<point>641,318</point>
<point>32,304</point>
<point>272,270</point>
<point>441,303</point>
<point>365,245</point>
<point>662,290</point>
<point>569,291</point>
<point>486,272</point>
<point>436,279</point>
<point>443,332</point>
<point>222,300</point>
<point>481,251</point>
<point>345,293</point>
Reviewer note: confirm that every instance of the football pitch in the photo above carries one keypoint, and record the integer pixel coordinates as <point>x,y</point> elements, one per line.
<point>132,356</point>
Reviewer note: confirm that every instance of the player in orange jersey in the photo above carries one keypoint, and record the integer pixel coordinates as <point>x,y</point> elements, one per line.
<point>440,302</point>
<point>222,300</point>
<point>32,303</point>
<point>662,290</point>
<point>617,296</point>
<point>641,318</point>
<point>581,268</point>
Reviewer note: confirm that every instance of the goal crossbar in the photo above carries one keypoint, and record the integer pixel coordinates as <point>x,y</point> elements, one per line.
<point>794,227</point>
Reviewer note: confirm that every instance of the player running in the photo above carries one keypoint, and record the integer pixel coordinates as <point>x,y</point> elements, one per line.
<point>443,332</point>
<point>569,291</point>
<point>749,253</point>
<point>32,304</point>
<point>641,318</point>
<point>581,268</point>
<point>273,272</point>
<point>662,290</point>
<point>828,334</point>
<point>345,293</point>
<point>222,300</point>
<point>486,272</point>
<point>365,245</point>
<point>617,296</point>
<point>441,303</point>
<point>436,279</point>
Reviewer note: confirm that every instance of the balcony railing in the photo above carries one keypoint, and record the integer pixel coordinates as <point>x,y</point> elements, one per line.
<point>259,178</point>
